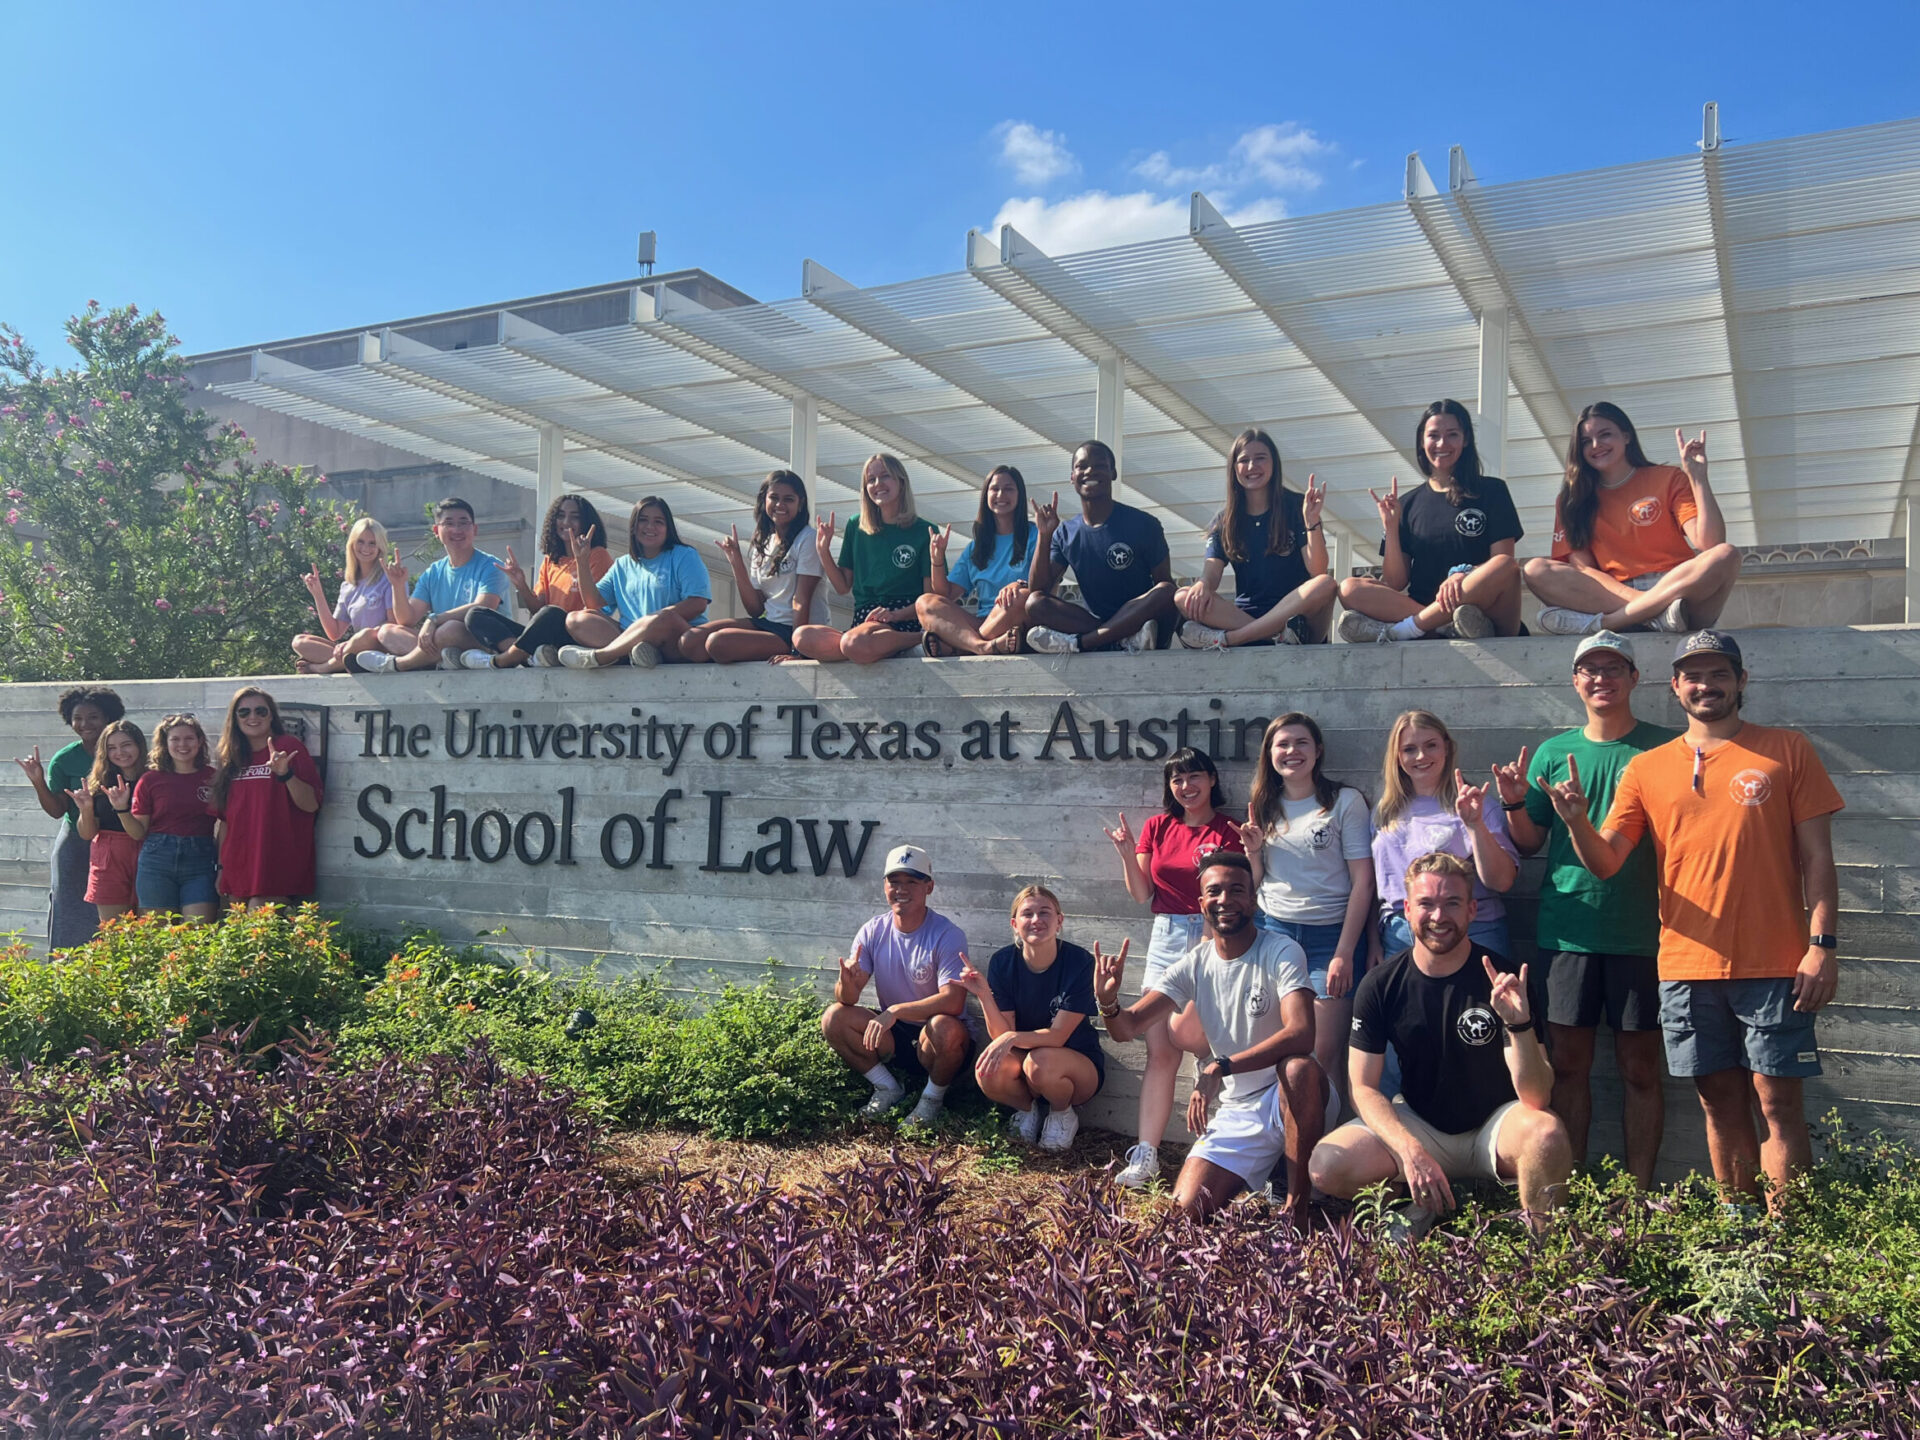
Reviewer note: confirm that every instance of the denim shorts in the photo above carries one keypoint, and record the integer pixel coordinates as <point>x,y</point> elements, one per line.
<point>1715,1025</point>
<point>1173,936</point>
<point>176,871</point>
<point>1320,942</point>
<point>1397,935</point>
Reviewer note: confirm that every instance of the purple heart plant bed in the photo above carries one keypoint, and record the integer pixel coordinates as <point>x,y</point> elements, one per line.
<point>195,1246</point>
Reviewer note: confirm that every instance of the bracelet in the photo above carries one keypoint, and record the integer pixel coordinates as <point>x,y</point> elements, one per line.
<point>1515,805</point>
<point>1315,526</point>
<point>1531,1023</point>
<point>1107,1012</point>
<point>285,779</point>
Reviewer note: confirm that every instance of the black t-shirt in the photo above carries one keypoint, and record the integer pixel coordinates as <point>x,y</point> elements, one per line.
<point>1035,1000</point>
<point>1435,537</point>
<point>105,815</point>
<point>1452,1047</point>
<point>1262,580</point>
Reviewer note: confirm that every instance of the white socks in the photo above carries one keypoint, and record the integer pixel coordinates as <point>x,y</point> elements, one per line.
<point>882,1078</point>
<point>1407,629</point>
<point>934,1092</point>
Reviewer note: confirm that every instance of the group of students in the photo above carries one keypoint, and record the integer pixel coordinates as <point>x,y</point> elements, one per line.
<point>1331,957</point>
<point>1635,546</point>
<point>176,825</point>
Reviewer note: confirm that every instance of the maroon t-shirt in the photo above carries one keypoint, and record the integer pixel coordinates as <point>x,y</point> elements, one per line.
<point>268,845</point>
<point>1173,849</point>
<point>175,804</point>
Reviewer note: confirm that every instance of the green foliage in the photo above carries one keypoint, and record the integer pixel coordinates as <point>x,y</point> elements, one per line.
<point>144,978</point>
<point>141,539</point>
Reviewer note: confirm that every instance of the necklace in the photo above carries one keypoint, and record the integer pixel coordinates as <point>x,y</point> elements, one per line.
<point>1632,470</point>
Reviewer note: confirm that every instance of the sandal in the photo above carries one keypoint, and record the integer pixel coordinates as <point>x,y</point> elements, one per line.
<point>936,648</point>
<point>1009,643</point>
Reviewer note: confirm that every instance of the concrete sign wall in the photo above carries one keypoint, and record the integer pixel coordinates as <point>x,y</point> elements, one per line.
<point>706,821</point>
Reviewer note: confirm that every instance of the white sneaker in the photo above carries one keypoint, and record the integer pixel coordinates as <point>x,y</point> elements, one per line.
<point>882,1101</point>
<point>474,659</point>
<point>1196,636</point>
<point>1142,1167</point>
<point>449,660</point>
<point>926,1112</point>
<point>375,662</point>
<point>1470,622</point>
<point>1043,641</point>
<point>547,657</point>
<point>1025,1124</point>
<point>1558,620</point>
<point>1061,1127</point>
<point>1358,629</point>
<point>1673,619</point>
<point>577,657</point>
<point>1142,639</point>
<point>644,656</point>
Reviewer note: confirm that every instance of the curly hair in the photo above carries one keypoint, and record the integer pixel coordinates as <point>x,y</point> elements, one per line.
<point>101,697</point>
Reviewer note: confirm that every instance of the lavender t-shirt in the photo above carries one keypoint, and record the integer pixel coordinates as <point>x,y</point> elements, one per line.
<point>909,967</point>
<point>364,603</point>
<point>1423,828</point>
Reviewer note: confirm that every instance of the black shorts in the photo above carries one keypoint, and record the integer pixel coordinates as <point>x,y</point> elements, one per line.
<point>782,633</point>
<point>1580,988</point>
<point>905,627</point>
<point>906,1054</point>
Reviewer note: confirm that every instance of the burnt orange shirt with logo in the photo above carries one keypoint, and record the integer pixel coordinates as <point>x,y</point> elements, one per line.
<point>1636,529</point>
<point>557,585</point>
<point>1731,902</point>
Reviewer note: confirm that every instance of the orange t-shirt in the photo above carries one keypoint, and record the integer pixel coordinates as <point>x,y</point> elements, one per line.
<point>1731,903</point>
<point>556,585</point>
<point>1636,529</point>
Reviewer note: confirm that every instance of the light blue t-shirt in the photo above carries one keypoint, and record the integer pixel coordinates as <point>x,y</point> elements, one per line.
<point>634,589</point>
<point>912,967</point>
<point>445,588</point>
<point>983,586</point>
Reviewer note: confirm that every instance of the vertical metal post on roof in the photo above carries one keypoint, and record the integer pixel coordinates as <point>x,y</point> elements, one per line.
<point>550,476</point>
<point>1110,404</point>
<point>803,446</point>
<point>1491,440</point>
<point>1913,564</point>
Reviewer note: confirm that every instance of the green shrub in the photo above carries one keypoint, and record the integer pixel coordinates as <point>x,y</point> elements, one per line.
<point>144,977</point>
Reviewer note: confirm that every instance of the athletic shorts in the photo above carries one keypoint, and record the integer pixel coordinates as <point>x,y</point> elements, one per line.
<point>1715,1025</point>
<point>1248,1137</point>
<point>909,626</point>
<point>782,633</point>
<point>1173,936</point>
<point>112,863</point>
<point>1580,988</point>
<point>1469,1155</point>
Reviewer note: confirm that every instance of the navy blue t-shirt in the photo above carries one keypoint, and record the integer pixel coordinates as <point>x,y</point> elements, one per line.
<point>1035,999</point>
<point>1262,581</point>
<point>1114,562</point>
<point>1435,536</point>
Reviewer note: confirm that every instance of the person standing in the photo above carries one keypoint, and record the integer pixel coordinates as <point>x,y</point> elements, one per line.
<point>266,793</point>
<point>1599,939</point>
<point>86,710</point>
<point>914,956</point>
<point>1117,553</point>
<point>171,818</point>
<point>1741,818</point>
<point>119,760</point>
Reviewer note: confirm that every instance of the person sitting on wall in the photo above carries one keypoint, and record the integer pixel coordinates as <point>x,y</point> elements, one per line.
<point>432,620</point>
<point>1272,537</point>
<point>776,575</point>
<point>655,593</point>
<point>914,956</point>
<point>1447,547</point>
<point>1256,1005</point>
<point>573,542</point>
<point>364,601</point>
<point>977,605</point>
<point>1476,1088</point>
<point>1037,997</point>
<point>1117,553</point>
<point>1634,544</point>
<point>885,562</point>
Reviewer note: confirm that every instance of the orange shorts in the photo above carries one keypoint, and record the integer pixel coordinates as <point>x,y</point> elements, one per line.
<point>111,863</point>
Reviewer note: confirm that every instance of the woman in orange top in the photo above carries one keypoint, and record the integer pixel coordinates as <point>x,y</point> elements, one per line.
<point>1635,545</point>
<point>572,539</point>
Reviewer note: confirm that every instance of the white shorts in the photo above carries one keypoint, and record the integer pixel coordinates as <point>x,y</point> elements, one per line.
<point>1646,582</point>
<point>1472,1154</point>
<point>1247,1138</point>
<point>1173,936</point>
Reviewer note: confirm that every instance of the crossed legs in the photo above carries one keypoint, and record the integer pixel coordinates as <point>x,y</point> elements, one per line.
<point>997,633</point>
<point>1703,583</point>
<point>1494,587</point>
<point>1098,634</point>
<point>1313,600</point>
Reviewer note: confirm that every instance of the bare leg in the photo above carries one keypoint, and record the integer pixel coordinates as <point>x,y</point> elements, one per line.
<point>1203,1187</point>
<point>1636,1053</point>
<point>1303,1107</point>
<point>591,628</point>
<point>1733,1142</point>
<point>662,630</point>
<point>1332,1023</point>
<point>819,642</point>
<point>1702,583</point>
<point>952,623</point>
<point>943,1047</point>
<point>732,647</point>
<point>111,912</point>
<point>314,649</point>
<point>1494,587</point>
<point>199,914</point>
<point>1056,614</point>
<point>1788,1148</point>
<point>693,644</point>
<point>870,642</point>
<point>1313,599</point>
<point>1060,1076</point>
<point>1377,601</point>
<point>1572,1052</point>
<point>1349,1160</point>
<point>1532,1145</point>
<point>1156,1085</point>
<point>448,635</point>
<point>845,1028</point>
<point>1002,1078</point>
<point>1188,1033</point>
<point>1131,618</point>
<point>1558,583</point>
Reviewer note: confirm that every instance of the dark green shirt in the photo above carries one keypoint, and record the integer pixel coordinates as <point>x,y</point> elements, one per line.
<point>889,568</point>
<point>68,770</point>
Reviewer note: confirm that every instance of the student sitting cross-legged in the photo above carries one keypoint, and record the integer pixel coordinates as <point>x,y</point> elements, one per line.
<point>885,561</point>
<point>432,620</point>
<point>364,601</point>
<point>777,576</point>
<point>573,543</point>
<point>914,957</point>
<point>1037,996</point>
<point>1261,1093</point>
<point>1117,553</point>
<point>654,593</point>
<point>977,605</point>
<point>1476,1087</point>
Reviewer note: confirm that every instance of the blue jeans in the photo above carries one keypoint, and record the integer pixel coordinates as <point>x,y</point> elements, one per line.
<point>1320,942</point>
<point>176,871</point>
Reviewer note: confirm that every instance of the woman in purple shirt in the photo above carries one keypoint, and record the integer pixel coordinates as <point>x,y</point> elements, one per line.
<point>365,600</point>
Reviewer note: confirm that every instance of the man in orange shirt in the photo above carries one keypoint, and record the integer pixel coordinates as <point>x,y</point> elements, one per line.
<point>1741,819</point>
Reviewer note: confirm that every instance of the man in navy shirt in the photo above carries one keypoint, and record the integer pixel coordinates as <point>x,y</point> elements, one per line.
<point>1117,553</point>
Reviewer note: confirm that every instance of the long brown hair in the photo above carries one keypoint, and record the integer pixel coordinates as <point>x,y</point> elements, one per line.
<point>236,750</point>
<point>1466,469</point>
<point>157,754</point>
<point>1269,790</point>
<point>986,525</point>
<point>1580,499</point>
<point>1232,523</point>
<point>1396,790</point>
<point>103,769</point>
<point>769,543</point>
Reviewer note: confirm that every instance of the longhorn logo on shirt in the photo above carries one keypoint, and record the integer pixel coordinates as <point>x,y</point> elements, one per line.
<point>904,556</point>
<point>1751,787</point>
<point>1119,555</point>
<point>1471,523</point>
<point>1646,511</point>
<point>1322,837</point>
<point>1476,1025</point>
<point>1259,1002</point>
<point>923,968</point>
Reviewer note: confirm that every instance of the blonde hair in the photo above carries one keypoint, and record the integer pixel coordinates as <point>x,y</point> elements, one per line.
<point>1030,892</point>
<point>1441,862</point>
<point>1396,790</point>
<point>870,518</point>
<point>362,526</point>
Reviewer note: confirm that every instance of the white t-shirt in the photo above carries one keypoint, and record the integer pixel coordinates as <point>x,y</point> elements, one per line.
<point>1306,879</point>
<point>1239,1000</point>
<point>776,584</point>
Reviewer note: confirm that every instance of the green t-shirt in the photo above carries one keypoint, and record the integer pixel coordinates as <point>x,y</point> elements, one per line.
<point>1578,911</point>
<point>68,770</point>
<point>889,568</point>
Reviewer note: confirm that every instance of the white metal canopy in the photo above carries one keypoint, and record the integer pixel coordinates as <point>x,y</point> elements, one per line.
<point>1767,293</point>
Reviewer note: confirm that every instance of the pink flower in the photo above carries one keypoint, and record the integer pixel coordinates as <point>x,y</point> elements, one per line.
<point>16,494</point>
<point>13,517</point>
<point>113,524</point>
<point>105,467</point>
<point>103,499</point>
<point>303,509</point>
<point>163,603</point>
<point>124,395</point>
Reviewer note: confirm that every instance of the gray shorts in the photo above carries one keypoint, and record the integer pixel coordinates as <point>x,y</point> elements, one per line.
<point>1715,1025</point>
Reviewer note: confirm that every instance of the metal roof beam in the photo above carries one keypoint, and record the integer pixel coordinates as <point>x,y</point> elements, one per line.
<point>1723,268</point>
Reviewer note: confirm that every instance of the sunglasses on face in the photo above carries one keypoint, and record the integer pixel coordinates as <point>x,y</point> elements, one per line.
<point>248,711</point>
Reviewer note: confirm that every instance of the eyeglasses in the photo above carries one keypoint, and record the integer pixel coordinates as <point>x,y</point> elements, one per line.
<point>247,711</point>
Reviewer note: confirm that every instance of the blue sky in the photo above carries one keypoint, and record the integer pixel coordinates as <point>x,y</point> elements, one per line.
<point>262,171</point>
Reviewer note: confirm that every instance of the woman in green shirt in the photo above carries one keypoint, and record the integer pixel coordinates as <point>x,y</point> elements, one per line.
<point>885,561</point>
<point>87,710</point>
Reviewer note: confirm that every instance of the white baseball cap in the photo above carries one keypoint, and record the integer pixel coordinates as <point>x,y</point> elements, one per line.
<point>912,860</point>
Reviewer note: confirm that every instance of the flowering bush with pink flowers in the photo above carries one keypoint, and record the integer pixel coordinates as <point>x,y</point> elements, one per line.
<point>141,538</point>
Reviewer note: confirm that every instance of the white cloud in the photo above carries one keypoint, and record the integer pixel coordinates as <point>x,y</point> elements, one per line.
<point>1036,157</point>
<point>1269,157</point>
<point>1096,220</point>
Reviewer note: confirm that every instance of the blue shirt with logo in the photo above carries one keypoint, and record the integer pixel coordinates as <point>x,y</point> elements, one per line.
<point>983,583</point>
<point>1034,999</point>
<point>634,589</point>
<point>1114,562</point>
<point>446,587</point>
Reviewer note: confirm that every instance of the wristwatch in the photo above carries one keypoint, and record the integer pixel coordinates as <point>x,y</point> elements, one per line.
<point>1825,942</point>
<point>1225,1062</point>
